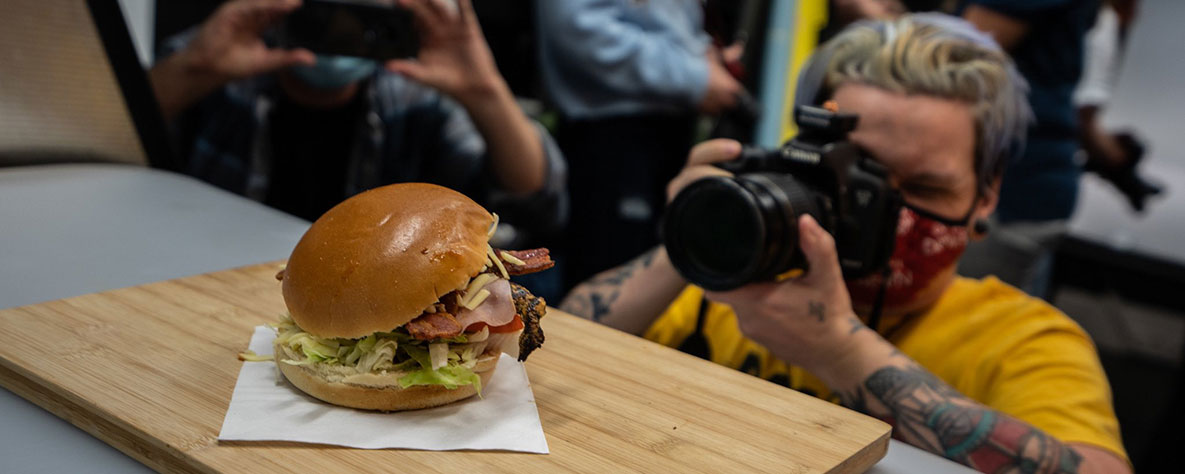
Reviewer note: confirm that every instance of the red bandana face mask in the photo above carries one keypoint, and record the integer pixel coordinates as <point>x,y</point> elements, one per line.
<point>925,247</point>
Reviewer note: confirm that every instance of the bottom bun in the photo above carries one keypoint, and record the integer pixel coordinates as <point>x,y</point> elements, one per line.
<point>380,391</point>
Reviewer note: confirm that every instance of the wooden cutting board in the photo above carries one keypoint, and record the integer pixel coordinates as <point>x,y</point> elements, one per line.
<point>150,370</point>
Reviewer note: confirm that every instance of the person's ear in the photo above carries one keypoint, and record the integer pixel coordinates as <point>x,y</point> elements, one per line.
<point>989,197</point>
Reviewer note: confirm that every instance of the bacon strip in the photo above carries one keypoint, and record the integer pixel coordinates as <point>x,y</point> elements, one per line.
<point>531,309</point>
<point>431,326</point>
<point>534,260</point>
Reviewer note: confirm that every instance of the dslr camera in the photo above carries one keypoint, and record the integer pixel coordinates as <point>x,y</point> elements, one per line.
<point>724,232</point>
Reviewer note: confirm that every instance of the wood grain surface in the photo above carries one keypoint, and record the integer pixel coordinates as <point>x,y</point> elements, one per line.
<point>150,370</point>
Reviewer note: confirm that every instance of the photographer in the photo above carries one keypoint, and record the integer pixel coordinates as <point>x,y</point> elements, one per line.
<point>973,370</point>
<point>302,132</point>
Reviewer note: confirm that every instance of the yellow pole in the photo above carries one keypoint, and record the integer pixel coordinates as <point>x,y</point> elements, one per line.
<point>809,17</point>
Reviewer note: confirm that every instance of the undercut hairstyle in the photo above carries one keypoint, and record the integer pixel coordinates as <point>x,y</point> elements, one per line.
<point>941,56</point>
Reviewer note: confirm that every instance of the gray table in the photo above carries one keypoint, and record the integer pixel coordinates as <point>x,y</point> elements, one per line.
<point>69,230</point>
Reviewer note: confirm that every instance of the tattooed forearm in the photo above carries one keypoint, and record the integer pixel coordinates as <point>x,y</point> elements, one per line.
<point>930,414</point>
<point>594,298</point>
<point>857,325</point>
<point>816,309</point>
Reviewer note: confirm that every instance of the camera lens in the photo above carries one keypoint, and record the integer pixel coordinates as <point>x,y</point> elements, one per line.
<point>722,233</point>
<point>719,226</point>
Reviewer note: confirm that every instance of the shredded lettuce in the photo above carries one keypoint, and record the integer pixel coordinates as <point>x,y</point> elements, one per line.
<point>419,354</point>
<point>450,376</point>
<point>370,360</point>
<point>390,351</point>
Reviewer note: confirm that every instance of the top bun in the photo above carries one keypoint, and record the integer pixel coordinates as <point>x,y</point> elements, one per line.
<point>378,259</point>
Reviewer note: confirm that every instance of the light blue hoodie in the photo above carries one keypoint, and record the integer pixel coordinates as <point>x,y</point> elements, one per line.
<point>604,58</point>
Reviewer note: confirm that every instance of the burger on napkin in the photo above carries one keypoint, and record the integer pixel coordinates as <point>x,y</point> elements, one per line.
<point>398,302</point>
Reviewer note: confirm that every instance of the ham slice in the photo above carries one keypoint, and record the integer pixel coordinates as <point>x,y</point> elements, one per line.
<point>496,310</point>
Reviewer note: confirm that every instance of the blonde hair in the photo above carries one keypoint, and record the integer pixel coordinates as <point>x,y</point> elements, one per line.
<point>942,56</point>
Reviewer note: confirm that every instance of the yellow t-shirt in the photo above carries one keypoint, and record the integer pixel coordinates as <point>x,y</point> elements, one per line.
<point>991,342</point>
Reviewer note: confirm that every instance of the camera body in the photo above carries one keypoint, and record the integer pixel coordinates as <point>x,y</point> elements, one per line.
<point>344,28</point>
<point>722,233</point>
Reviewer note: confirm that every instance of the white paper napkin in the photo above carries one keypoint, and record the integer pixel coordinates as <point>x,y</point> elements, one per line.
<point>265,407</point>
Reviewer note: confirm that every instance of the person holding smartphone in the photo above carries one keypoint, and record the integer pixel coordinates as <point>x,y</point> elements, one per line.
<point>301,131</point>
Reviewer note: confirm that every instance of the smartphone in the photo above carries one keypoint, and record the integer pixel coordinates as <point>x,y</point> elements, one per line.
<point>351,29</point>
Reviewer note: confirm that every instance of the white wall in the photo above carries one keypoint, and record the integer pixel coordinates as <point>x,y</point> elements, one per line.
<point>1148,99</point>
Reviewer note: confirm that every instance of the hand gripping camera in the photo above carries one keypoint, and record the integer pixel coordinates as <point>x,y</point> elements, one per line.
<point>722,233</point>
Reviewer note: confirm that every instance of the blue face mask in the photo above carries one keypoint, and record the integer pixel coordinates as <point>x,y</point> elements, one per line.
<point>334,72</point>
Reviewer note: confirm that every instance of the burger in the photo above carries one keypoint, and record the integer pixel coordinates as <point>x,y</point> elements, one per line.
<point>396,301</point>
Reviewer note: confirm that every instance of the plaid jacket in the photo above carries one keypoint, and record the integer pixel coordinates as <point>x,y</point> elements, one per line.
<point>410,132</point>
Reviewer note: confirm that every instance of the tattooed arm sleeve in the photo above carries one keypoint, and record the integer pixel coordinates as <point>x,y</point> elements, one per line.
<point>629,297</point>
<point>878,379</point>
<point>929,414</point>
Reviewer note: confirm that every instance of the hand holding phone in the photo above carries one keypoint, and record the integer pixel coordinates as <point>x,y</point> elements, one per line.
<point>453,56</point>
<point>229,44</point>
